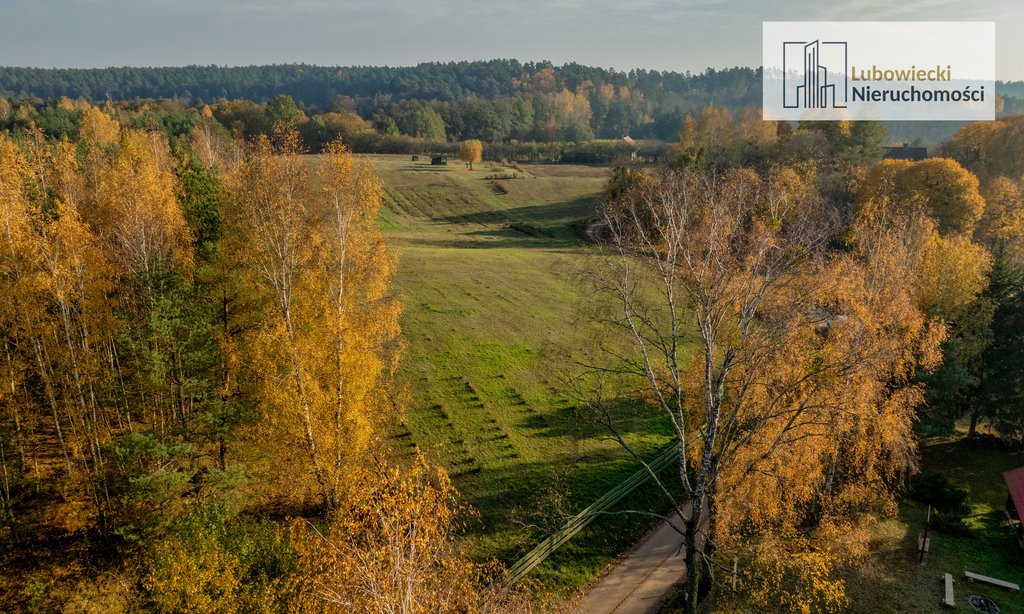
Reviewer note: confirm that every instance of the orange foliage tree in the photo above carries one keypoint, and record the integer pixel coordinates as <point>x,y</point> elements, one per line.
<point>940,187</point>
<point>390,549</point>
<point>793,412</point>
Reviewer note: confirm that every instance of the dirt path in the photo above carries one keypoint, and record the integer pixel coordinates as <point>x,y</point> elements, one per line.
<point>641,582</point>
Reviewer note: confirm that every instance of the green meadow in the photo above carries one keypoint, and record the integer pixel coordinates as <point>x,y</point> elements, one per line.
<point>489,279</point>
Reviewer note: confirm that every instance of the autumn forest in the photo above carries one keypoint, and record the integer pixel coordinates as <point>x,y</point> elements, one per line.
<point>363,352</point>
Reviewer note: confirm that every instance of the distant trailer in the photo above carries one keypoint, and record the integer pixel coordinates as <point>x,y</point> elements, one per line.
<point>439,161</point>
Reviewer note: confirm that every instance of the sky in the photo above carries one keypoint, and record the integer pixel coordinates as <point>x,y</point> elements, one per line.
<point>676,35</point>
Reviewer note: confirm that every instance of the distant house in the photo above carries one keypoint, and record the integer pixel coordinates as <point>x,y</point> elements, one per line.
<point>439,161</point>
<point>1015,499</point>
<point>905,152</point>
<point>632,143</point>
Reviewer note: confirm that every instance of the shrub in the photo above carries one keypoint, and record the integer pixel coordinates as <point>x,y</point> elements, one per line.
<point>190,570</point>
<point>950,502</point>
<point>208,562</point>
<point>944,523</point>
<point>940,492</point>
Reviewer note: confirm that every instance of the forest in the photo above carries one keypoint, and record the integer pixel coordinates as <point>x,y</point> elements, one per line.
<point>150,346</point>
<point>199,397</point>
<point>496,101</point>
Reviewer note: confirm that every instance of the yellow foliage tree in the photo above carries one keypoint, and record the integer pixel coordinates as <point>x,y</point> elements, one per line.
<point>136,209</point>
<point>59,320</point>
<point>390,549</point>
<point>98,128</point>
<point>309,246</point>
<point>990,149</point>
<point>954,271</point>
<point>1003,221</point>
<point>796,408</point>
<point>471,151</point>
<point>362,321</point>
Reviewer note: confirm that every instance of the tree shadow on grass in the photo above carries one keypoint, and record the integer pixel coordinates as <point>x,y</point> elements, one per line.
<point>548,216</point>
<point>630,417</point>
<point>494,239</point>
<point>508,497</point>
<point>424,168</point>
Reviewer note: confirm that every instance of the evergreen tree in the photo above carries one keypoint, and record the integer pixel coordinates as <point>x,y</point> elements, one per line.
<point>1002,384</point>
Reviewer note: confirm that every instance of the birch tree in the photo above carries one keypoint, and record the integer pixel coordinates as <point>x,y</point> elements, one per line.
<point>784,369</point>
<point>325,353</point>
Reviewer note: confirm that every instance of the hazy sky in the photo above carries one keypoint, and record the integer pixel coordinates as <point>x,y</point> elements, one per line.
<point>621,34</point>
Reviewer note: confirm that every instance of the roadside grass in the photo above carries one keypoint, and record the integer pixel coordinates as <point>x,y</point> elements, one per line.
<point>491,297</point>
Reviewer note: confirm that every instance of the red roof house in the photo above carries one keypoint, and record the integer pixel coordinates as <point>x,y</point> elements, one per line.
<point>1015,500</point>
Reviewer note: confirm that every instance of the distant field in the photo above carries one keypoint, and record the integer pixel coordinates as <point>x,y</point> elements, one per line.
<point>491,307</point>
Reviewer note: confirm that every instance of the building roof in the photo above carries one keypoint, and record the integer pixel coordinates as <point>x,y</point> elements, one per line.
<point>1015,483</point>
<point>906,153</point>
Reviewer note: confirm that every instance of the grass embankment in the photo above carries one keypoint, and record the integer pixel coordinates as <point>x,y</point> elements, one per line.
<point>491,306</point>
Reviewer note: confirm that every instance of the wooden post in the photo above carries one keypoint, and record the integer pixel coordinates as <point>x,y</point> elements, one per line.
<point>923,546</point>
<point>734,564</point>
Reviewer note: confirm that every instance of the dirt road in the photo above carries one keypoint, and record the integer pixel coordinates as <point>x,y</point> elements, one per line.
<point>641,582</point>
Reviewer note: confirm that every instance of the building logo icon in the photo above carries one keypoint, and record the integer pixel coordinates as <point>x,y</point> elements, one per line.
<point>823,81</point>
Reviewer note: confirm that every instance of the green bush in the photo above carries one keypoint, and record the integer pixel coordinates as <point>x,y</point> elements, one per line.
<point>950,502</point>
<point>943,522</point>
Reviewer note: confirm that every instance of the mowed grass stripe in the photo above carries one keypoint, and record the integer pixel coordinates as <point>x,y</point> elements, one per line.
<point>491,298</point>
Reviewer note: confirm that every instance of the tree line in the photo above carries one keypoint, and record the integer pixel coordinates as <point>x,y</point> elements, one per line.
<point>318,85</point>
<point>413,127</point>
<point>493,100</point>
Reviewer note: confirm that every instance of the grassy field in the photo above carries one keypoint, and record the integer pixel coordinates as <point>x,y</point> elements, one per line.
<point>893,581</point>
<point>491,309</point>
